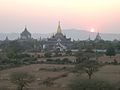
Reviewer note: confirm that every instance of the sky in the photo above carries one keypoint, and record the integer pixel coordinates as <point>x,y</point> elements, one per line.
<point>42,16</point>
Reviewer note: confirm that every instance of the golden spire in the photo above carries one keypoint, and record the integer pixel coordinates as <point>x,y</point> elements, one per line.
<point>59,28</point>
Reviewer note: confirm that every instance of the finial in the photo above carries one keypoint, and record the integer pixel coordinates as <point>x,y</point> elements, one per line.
<point>59,23</point>
<point>98,33</point>
<point>59,28</point>
<point>25,27</point>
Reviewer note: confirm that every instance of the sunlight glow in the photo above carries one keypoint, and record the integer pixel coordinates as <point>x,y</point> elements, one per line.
<point>92,30</point>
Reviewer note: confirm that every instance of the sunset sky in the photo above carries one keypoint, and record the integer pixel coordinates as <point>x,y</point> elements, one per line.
<point>42,16</point>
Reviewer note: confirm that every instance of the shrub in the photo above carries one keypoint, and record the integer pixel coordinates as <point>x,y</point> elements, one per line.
<point>21,79</point>
<point>80,84</point>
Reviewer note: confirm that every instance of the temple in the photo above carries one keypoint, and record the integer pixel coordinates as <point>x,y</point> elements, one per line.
<point>98,38</point>
<point>25,35</point>
<point>58,41</point>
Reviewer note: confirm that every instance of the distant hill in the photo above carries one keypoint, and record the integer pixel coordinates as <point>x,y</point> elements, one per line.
<point>71,33</point>
<point>83,35</point>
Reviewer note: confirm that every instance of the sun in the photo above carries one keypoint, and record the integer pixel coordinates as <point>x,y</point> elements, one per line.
<point>92,30</point>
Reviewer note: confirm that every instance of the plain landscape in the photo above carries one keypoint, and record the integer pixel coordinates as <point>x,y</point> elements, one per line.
<point>59,44</point>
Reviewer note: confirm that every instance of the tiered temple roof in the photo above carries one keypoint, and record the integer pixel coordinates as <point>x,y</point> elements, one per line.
<point>58,38</point>
<point>98,37</point>
<point>25,34</point>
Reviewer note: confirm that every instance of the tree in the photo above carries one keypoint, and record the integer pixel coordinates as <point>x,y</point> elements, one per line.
<point>81,84</point>
<point>115,62</point>
<point>88,66</point>
<point>83,56</point>
<point>48,82</point>
<point>110,51</point>
<point>69,52</point>
<point>57,52</point>
<point>21,79</point>
<point>13,47</point>
<point>48,54</point>
<point>66,61</point>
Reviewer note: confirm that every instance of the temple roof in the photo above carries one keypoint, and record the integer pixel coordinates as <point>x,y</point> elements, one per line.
<point>59,37</point>
<point>6,38</point>
<point>98,37</point>
<point>25,32</point>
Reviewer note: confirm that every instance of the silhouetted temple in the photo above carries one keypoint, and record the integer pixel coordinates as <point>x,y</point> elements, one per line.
<point>25,35</point>
<point>98,38</point>
<point>58,41</point>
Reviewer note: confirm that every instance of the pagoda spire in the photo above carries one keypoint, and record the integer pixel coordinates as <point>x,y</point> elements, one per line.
<point>25,27</point>
<point>59,28</point>
<point>89,38</point>
<point>6,39</point>
<point>98,37</point>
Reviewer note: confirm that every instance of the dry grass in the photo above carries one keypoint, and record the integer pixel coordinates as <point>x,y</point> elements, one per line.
<point>109,73</point>
<point>108,59</point>
<point>35,70</point>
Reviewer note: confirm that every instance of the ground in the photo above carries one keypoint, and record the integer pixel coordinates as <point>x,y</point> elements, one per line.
<point>109,73</point>
<point>40,75</point>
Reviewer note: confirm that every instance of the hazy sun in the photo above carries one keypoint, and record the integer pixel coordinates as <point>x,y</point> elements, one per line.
<point>92,30</point>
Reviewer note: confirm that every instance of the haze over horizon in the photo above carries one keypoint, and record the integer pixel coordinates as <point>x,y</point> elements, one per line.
<point>42,16</point>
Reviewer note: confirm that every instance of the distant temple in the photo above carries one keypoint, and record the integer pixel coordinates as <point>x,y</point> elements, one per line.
<point>25,35</point>
<point>89,39</point>
<point>6,39</point>
<point>58,41</point>
<point>98,38</point>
